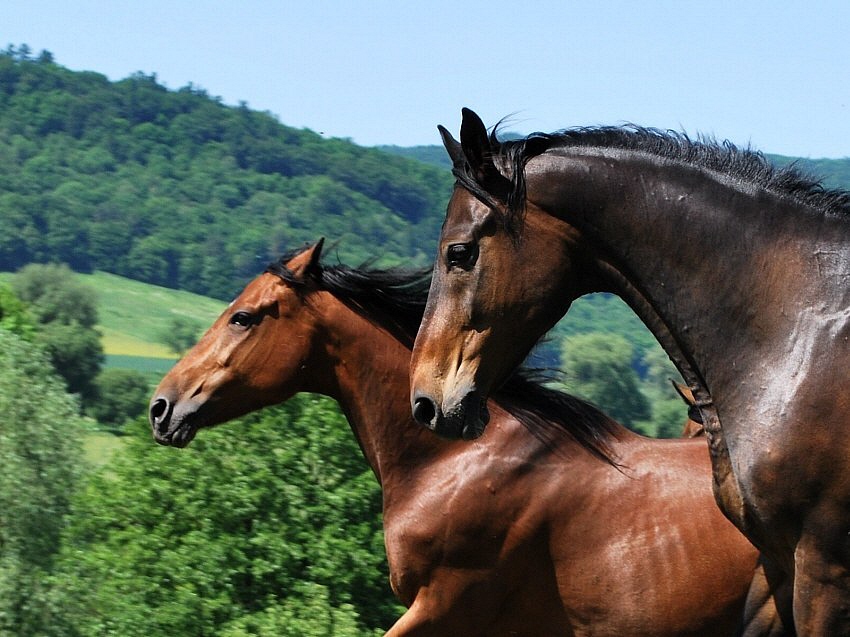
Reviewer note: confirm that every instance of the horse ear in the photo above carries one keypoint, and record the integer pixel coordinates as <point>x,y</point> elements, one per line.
<point>474,140</point>
<point>684,392</point>
<point>452,147</point>
<point>307,261</point>
<point>478,152</point>
<point>316,255</point>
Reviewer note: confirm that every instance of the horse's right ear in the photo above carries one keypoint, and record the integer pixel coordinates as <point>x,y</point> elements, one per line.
<point>452,147</point>
<point>478,151</point>
<point>475,142</point>
<point>307,261</point>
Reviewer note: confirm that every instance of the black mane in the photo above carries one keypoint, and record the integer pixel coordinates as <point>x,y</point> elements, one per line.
<point>394,299</point>
<point>745,165</point>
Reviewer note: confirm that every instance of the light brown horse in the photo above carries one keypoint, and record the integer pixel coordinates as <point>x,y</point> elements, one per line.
<point>755,312</point>
<point>582,529</point>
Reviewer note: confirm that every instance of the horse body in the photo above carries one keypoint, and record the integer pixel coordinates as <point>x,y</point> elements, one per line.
<point>599,550</point>
<point>754,314</point>
<point>762,329</point>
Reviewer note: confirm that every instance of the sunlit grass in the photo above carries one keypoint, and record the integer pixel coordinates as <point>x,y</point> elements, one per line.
<point>134,315</point>
<point>99,447</point>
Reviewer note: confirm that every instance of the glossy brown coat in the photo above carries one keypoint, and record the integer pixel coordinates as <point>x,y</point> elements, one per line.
<point>509,535</point>
<point>741,272</point>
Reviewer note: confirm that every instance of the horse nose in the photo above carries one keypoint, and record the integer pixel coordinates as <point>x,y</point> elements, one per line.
<point>160,414</point>
<point>425,411</point>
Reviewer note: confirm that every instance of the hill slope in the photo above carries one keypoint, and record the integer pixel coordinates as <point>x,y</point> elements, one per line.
<point>133,315</point>
<point>177,189</point>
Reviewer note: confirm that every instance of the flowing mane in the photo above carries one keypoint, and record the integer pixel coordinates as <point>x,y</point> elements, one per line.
<point>394,299</point>
<point>745,165</point>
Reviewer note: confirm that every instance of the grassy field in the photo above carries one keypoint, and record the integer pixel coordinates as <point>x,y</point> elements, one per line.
<point>99,447</point>
<point>133,315</point>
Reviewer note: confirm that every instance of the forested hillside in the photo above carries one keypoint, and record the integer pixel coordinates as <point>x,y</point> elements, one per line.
<point>178,189</point>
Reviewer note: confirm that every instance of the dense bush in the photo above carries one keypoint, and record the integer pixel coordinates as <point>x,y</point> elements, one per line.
<point>65,313</point>
<point>241,529</point>
<point>40,461</point>
<point>121,395</point>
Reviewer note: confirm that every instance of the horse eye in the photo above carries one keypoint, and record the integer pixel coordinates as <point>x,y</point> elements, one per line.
<point>242,319</point>
<point>462,255</point>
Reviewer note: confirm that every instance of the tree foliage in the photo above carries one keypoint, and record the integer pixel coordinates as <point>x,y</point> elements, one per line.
<point>178,189</point>
<point>65,312</point>
<point>121,395</point>
<point>182,333</point>
<point>55,296</point>
<point>598,367</point>
<point>14,316</point>
<point>40,461</point>
<point>256,525</point>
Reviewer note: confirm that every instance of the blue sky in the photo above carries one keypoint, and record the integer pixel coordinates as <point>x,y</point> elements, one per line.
<point>775,75</point>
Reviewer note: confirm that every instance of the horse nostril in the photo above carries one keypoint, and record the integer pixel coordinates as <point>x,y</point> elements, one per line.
<point>160,413</point>
<point>425,411</point>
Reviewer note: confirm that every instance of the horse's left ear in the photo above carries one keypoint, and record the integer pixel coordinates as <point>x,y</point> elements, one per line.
<point>316,255</point>
<point>307,261</point>
<point>478,151</point>
<point>452,147</point>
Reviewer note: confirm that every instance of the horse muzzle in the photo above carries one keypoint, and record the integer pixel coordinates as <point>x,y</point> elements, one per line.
<point>466,419</point>
<point>172,425</point>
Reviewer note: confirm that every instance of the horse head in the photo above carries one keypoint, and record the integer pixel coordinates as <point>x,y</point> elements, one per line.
<point>248,359</point>
<point>477,309</point>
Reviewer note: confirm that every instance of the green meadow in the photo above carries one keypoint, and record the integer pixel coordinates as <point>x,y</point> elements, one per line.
<point>134,315</point>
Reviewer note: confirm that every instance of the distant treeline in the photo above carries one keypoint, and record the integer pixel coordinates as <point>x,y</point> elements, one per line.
<point>178,189</point>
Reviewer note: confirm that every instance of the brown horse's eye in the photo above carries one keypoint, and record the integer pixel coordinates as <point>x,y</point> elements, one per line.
<point>242,319</point>
<point>462,255</point>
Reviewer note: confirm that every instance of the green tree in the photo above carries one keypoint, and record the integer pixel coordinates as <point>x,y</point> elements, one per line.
<point>14,316</point>
<point>598,367</point>
<point>669,412</point>
<point>308,613</point>
<point>181,334</point>
<point>76,354</point>
<point>121,395</point>
<point>167,542</point>
<point>40,462</point>
<point>669,417</point>
<point>53,294</point>
<point>66,313</point>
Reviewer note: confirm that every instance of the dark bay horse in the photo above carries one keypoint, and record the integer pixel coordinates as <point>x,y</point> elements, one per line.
<point>740,270</point>
<point>612,541</point>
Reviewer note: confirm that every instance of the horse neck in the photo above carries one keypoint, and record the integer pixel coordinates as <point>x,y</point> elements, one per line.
<point>725,276</point>
<point>369,371</point>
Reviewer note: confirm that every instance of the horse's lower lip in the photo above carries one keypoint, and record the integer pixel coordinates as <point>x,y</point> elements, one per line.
<point>178,436</point>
